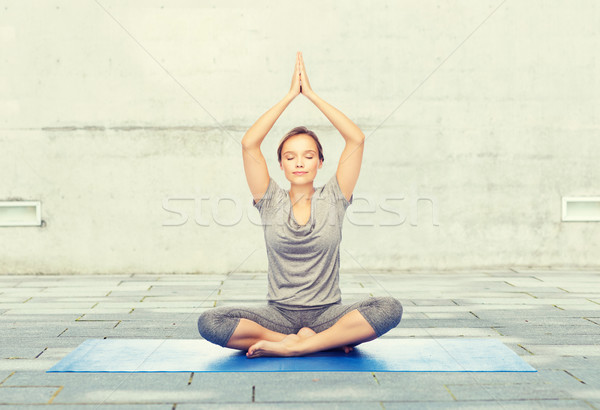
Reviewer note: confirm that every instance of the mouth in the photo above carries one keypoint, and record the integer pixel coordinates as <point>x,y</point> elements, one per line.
<point>300,173</point>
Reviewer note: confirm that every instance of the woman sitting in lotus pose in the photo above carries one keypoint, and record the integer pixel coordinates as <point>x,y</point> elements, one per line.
<point>302,230</point>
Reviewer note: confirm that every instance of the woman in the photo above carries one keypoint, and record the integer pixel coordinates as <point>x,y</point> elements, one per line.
<point>302,230</point>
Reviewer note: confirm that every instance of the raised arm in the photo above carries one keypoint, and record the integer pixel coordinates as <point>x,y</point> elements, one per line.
<point>351,159</point>
<point>255,165</point>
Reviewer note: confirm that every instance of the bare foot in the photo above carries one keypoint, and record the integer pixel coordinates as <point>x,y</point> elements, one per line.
<point>285,347</point>
<point>266,348</point>
<point>307,332</point>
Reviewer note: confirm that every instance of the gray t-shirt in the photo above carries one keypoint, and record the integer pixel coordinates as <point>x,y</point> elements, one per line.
<point>304,260</point>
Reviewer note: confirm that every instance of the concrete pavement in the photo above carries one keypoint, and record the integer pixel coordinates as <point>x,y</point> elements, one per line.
<point>550,318</point>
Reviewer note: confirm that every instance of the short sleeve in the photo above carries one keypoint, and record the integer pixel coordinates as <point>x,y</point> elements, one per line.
<point>334,191</point>
<point>273,195</point>
<point>337,202</point>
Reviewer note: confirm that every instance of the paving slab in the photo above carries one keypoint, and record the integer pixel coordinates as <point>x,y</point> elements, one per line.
<point>143,395</point>
<point>19,395</point>
<point>5,375</point>
<point>447,323</point>
<point>586,394</point>
<point>507,392</point>
<point>570,363</point>
<point>341,387</point>
<point>8,352</point>
<point>549,319</point>
<point>564,350</point>
<point>107,406</point>
<point>19,364</point>
<point>133,388</point>
<point>450,315</point>
<point>123,317</point>
<point>27,292</point>
<point>556,339</point>
<point>484,404</point>
<point>73,313</point>
<point>301,405</point>
<point>587,376</point>
<point>567,328</point>
<point>441,332</point>
<point>444,378</point>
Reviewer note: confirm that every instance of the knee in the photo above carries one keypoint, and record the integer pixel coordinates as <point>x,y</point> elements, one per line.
<point>396,308</point>
<point>204,321</point>
<point>209,323</point>
<point>393,308</point>
<point>383,313</point>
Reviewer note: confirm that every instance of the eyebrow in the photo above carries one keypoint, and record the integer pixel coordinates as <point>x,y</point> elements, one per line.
<point>292,152</point>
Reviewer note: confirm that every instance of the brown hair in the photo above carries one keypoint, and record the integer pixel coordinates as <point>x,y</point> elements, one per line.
<point>296,131</point>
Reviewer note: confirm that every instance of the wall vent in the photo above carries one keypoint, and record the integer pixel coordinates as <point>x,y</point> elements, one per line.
<point>581,209</point>
<point>20,213</point>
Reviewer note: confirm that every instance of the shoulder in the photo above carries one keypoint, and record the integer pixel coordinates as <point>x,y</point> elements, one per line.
<point>332,189</point>
<point>273,195</point>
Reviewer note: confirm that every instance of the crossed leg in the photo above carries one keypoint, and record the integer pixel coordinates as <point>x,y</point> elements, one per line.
<point>248,333</point>
<point>351,329</point>
<point>339,326</point>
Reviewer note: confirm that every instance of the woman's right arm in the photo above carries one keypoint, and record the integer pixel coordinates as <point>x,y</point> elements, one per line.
<point>255,165</point>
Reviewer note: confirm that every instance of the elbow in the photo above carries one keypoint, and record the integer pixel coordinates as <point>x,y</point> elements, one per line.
<point>356,139</point>
<point>247,145</point>
<point>354,136</point>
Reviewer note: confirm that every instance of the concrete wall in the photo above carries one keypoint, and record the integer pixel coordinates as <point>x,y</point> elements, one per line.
<point>485,111</point>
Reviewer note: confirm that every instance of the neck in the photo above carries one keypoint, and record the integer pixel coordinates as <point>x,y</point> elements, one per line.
<point>301,193</point>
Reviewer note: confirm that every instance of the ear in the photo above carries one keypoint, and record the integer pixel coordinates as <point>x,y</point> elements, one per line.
<point>320,163</point>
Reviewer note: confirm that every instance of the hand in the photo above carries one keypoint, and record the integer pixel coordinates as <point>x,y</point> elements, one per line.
<point>295,88</point>
<point>304,84</point>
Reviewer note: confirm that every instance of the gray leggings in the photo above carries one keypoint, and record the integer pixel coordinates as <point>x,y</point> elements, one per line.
<point>218,324</point>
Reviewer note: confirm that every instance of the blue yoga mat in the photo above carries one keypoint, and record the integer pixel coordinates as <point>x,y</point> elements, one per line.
<point>382,355</point>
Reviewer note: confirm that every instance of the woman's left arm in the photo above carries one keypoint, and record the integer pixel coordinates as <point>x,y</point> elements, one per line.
<point>351,158</point>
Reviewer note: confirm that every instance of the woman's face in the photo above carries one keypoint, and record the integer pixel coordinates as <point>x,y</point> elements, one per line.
<point>300,159</point>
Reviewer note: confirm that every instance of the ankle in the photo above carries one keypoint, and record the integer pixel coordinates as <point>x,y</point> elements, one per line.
<point>299,348</point>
